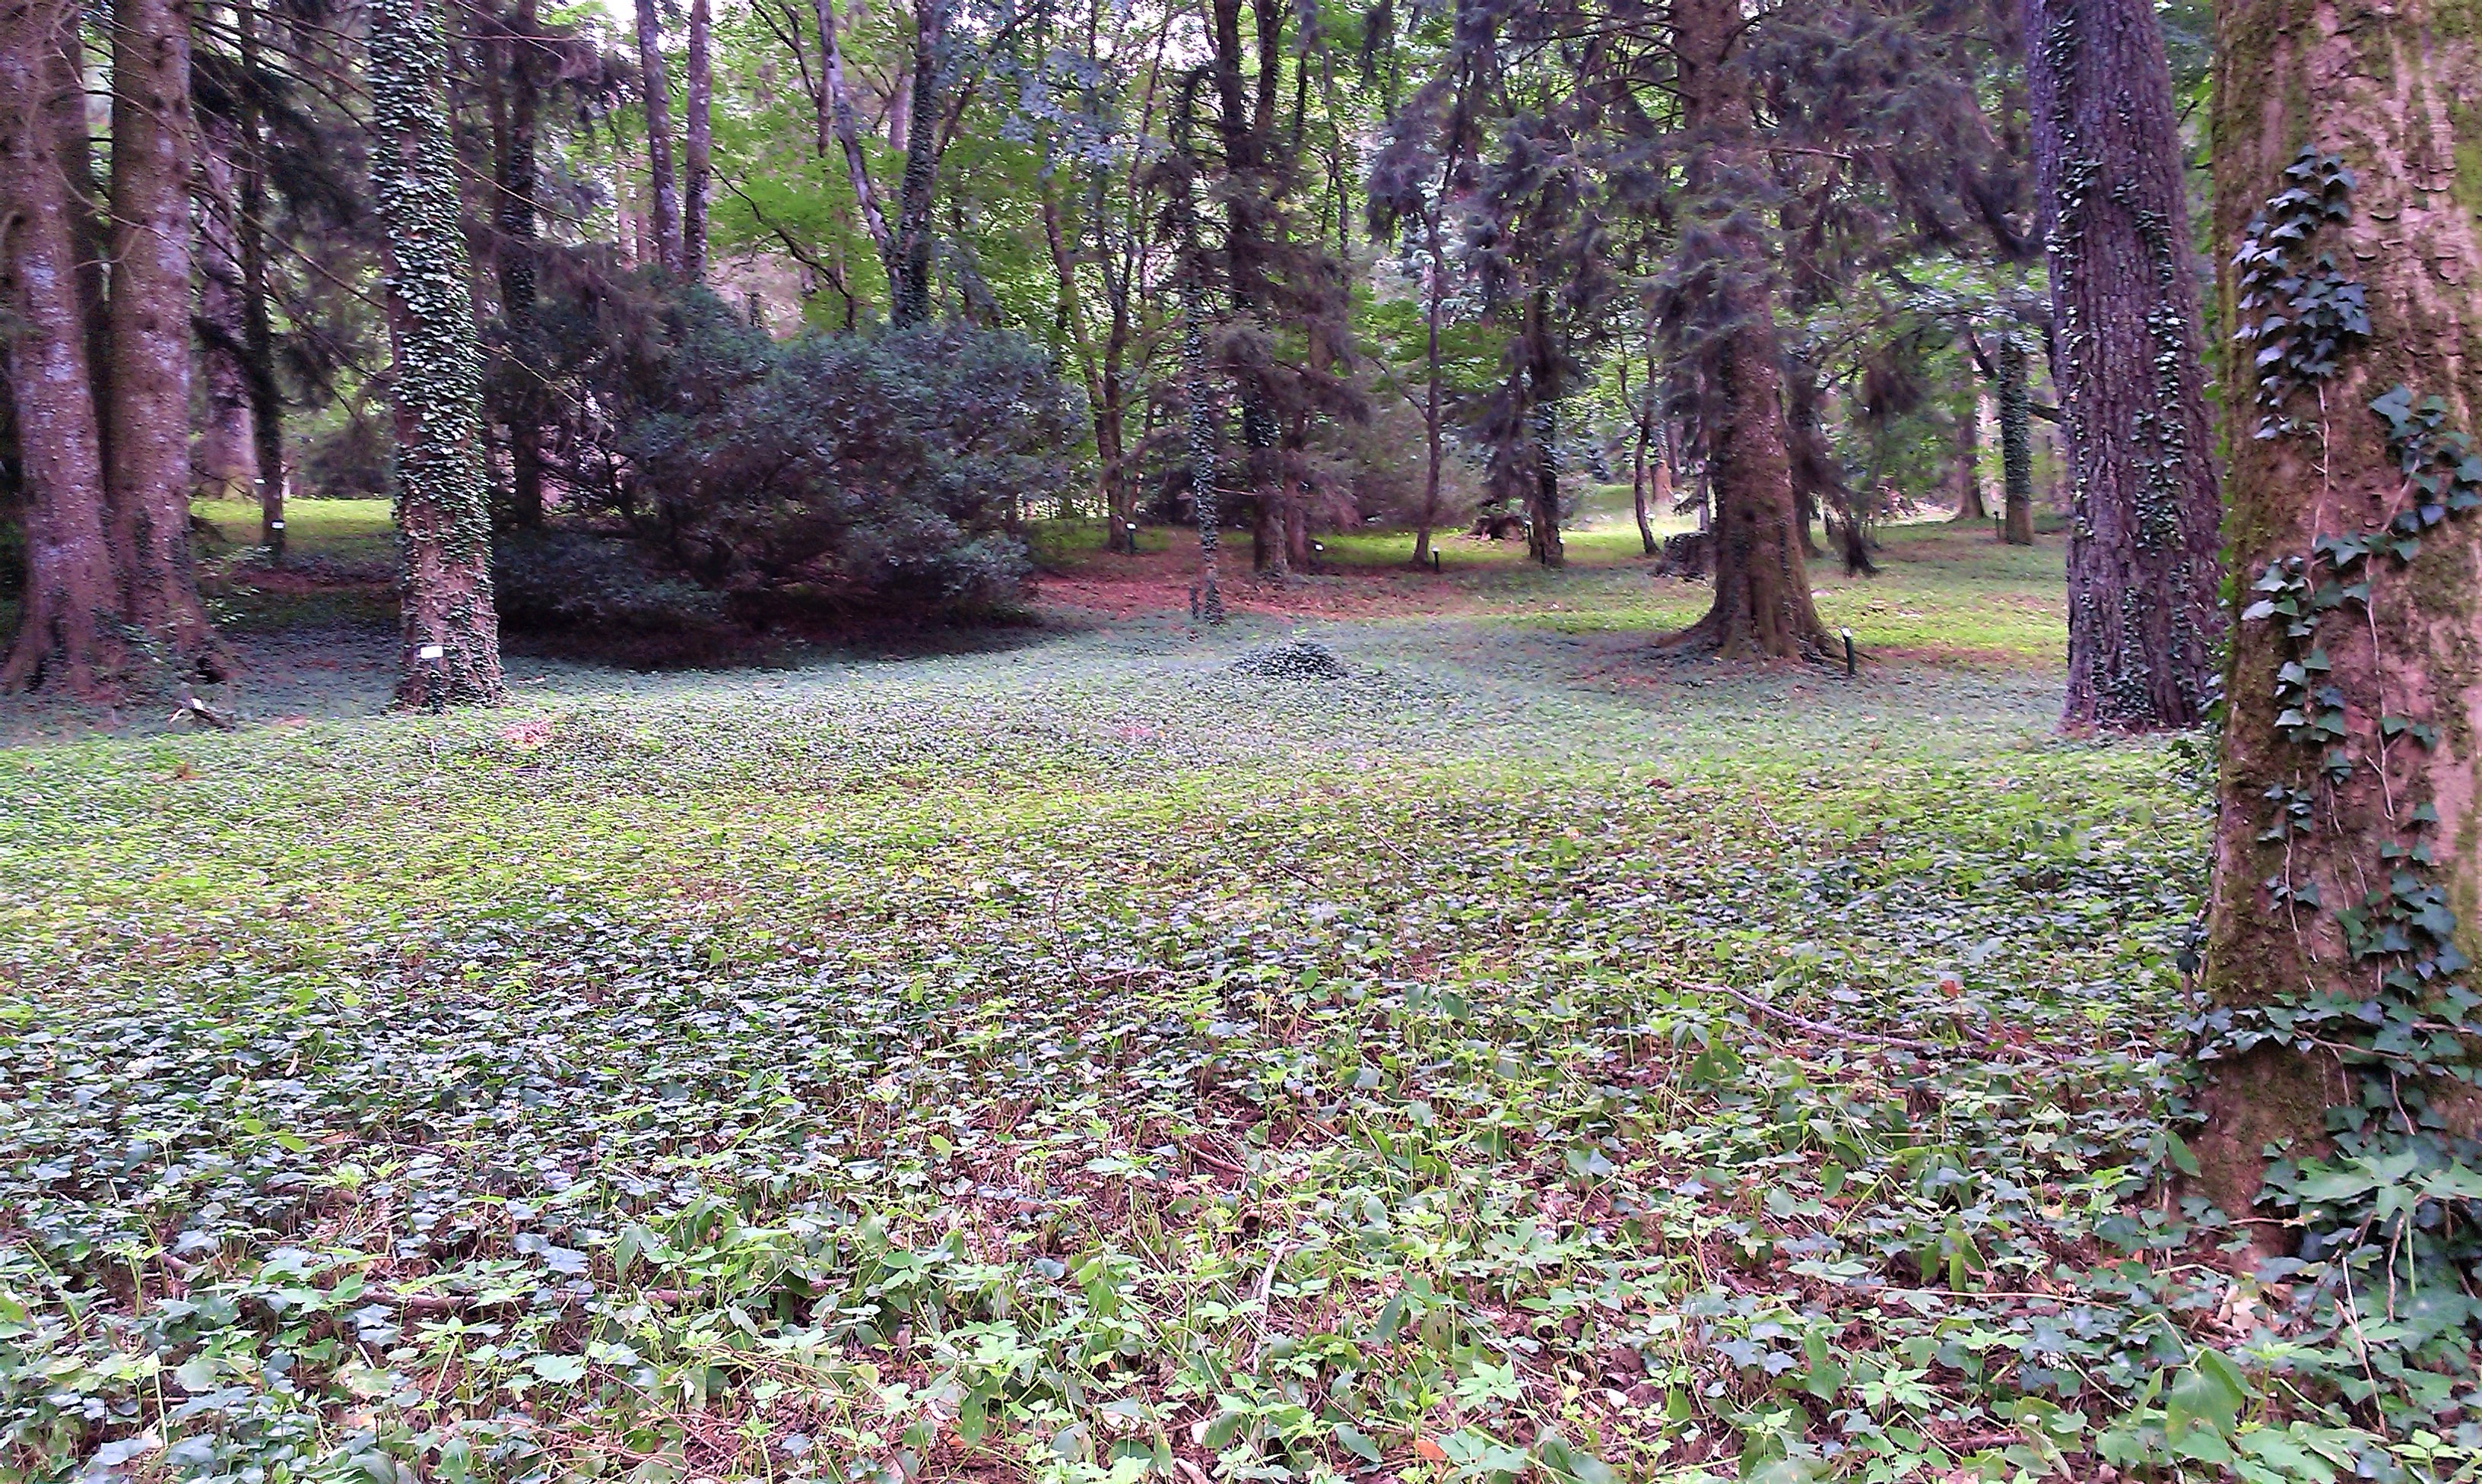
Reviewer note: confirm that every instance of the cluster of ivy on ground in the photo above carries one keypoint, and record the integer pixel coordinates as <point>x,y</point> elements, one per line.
<point>1105,1058</point>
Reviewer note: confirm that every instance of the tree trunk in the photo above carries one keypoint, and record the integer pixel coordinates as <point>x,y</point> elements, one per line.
<point>66,635</point>
<point>146,480</point>
<point>912,289</point>
<point>1207,603</point>
<point>1433,293</point>
<point>257,327</point>
<point>64,67</point>
<point>1762,607</point>
<point>695,170</point>
<point>655,91</point>
<point>2016,442</point>
<point>1970,504</point>
<point>1660,493</point>
<point>2332,778</point>
<point>220,464</point>
<point>837,112</point>
<point>514,219</point>
<point>2145,628</point>
<point>1643,434</point>
<point>450,637</point>
<point>1542,501</point>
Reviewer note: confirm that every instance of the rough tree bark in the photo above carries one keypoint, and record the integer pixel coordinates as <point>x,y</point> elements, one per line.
<point>2389,88</point>
<point>694,169</point>
<point>221,462</point>
<point>66,633</point>
<point>1543,501</point>
<point>655,94</point>
<point>515,220</point>
<point>257,326</point>
<point>450,636</point>
<point>912,294</point>
<point>1969,505</point>
<point>1435,289</point>
<point>146,478</point>
<point>1762,607</point>
<point>2016,443</point>
<point>2145,627</point>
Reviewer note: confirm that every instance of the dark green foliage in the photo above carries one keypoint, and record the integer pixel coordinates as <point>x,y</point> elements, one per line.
<point>579,580</point>
<point>883,468</point>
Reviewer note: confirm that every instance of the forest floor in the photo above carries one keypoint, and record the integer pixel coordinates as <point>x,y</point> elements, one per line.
<point>1107,1049</point>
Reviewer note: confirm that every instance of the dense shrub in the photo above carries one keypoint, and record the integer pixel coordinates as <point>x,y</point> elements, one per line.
<point>887,468</point>
<point>582,580</point>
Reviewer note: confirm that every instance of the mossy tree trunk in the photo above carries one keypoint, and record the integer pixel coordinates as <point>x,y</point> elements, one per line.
<point>2144,620</point>
<point>1762,608</point>
<point>450,637</point>
<point>2352,722</point>
<point>67,632</point>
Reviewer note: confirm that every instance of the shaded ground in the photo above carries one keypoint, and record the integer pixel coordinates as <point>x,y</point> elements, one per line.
<point>1102,1058</point>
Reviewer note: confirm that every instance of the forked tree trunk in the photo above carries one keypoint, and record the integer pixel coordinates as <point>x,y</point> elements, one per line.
<point>1762,606</point>
<point>2145,626</point>
<point>655,95</point>
<point>450,637</point>
<point>694,169</point>
<point>2385,88</point>
<point>836,117</point>
<point>2016,443</point>
<point>146,480</point>
<point>66,633</point>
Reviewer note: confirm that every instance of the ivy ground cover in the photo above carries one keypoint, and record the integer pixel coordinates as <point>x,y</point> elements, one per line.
<point>1108,1055</point>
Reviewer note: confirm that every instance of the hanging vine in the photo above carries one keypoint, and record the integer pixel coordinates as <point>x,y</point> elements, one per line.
<point>2398,1195</point>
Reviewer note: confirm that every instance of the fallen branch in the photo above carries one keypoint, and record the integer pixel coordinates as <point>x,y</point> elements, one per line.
<point>1836,1033</point>
<point>453,1303</point>
<point>198,710</point>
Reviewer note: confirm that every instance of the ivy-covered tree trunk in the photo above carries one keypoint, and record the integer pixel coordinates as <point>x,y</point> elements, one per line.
<point>1210,600</point>
<point>2347,870</point>
<point>2145,628</point>
<point>695,171</point>
<point>656,96</point>
<point>1762,607</point>
<point>450,637</point>
<point>2016,443</point>
<point>146,478</point>
<point>66,632</point>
